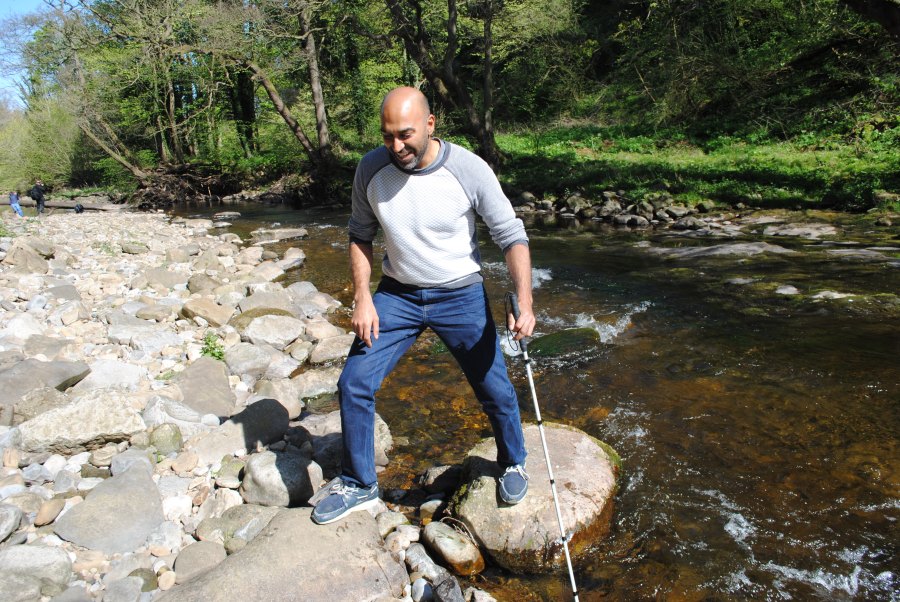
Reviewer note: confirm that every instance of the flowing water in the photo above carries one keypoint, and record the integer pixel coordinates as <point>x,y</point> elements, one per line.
<point>758,430</point>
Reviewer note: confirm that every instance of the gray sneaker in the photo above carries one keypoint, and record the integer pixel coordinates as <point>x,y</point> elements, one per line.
<point>339,498</point>
<point>513,484</point>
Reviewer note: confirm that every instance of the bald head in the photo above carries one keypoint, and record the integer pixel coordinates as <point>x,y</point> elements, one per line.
<point>407,126</point>
<point>405,99</point>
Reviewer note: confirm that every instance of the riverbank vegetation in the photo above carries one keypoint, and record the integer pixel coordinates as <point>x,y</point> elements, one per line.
<point>761,102</point>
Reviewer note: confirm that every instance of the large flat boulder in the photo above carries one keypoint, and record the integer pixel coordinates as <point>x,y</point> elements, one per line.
<point>117,515</point>
<point>204,385</point>
<point>90,421</point>
<point>525,537</point>
<point>345,563</point>
<point>33,374</point>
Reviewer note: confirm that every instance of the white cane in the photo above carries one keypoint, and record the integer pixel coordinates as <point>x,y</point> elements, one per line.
<point>514,302</point>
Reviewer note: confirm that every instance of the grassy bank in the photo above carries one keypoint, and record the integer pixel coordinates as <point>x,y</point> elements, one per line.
<point>808,174</point>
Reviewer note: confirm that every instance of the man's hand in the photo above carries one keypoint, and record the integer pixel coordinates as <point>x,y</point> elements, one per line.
<point>365,320</point>
<point>524,326</point>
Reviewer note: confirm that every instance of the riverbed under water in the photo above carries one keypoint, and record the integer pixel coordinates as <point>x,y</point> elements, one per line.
<point>758,430</point>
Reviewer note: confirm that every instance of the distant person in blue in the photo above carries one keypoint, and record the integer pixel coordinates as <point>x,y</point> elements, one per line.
<point>14,202</point>
<point>425,193</point>
<point>37,193</point>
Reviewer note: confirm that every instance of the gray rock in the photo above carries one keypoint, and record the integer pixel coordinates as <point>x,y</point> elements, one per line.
<point>200,283</point>
<point>156,312</point>
<point>448,590</point>
<point>229,476</point>
<point>441,479</point>
<point>807,231</point>
<point>36,402</point>
<point>166,278</point>
<point>284,391</point>
<point>317,382</point>
<point>75,593</point>
<point>51,566</point>
<point>19,587</point>
<point>418,561</point>
<point>166,538</point>
<point>112,373</point>
<point>132,459</point>
<point>331,349</point>
<point>241,522</point>
<point>10,517</point>
<point>163,410</point>
<point>65,292</point>
<point>89,421</point>
<point>280,479</point>
<point>273,567</point>
<point>216,315</point>
<point>267,235</point>
<point>33,374</point>
<point>262,423</point>
<point>525,537</point>
<point>23,256</point>
<point>204,385</point>
<point>196,559</point>
<point>319,329</point>
<point>153,342</point>
<point>166,438</point>
<point>69,313</point>
<point>134,248</point>
<point>324,431</point>
<point>744,249</point>
<point>688,223</point>
<point>267,300</point>
<point>117,516</point>
<point>388,521</point>
<point>277,331</point>
<point>127,589</point>
<point>456,550</point>
<point>247,358</point>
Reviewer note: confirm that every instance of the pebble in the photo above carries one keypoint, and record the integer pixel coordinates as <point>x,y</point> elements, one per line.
<point>49,511</point>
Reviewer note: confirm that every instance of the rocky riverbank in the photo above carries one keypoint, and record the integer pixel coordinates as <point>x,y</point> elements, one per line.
<point>156,443</point>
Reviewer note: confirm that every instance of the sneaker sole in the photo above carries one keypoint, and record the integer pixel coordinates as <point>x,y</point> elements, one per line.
<point>363,506</point>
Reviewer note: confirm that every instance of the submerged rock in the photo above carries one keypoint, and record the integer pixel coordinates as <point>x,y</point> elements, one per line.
<point>525,537</point>
<point>565,341</point>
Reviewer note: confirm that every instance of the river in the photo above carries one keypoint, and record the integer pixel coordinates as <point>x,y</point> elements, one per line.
<point>758,424</point>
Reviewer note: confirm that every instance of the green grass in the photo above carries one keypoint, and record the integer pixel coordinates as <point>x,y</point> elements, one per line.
<point>827,173</point>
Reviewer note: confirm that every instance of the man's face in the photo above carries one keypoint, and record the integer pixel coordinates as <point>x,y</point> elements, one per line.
<point>406,132</point>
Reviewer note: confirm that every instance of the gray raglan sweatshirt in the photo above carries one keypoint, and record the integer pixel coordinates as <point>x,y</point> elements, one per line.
<point>428,215</point>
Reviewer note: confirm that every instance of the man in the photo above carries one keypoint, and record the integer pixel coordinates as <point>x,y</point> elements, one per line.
<point>37,193</point>
<point>424,193</point>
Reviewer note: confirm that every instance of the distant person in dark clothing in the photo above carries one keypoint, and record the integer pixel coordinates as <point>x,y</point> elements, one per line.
<point>37,193</point>
<point>14,202</point>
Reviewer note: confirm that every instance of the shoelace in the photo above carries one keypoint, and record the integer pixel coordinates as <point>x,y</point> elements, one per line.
<point>517,468</point>
<point>343,488</point>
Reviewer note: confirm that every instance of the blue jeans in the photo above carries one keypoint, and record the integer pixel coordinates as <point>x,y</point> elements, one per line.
<point>462,319</point>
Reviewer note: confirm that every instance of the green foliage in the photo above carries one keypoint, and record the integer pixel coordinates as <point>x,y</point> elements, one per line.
<point>726,169</point>
<point>760,100</point>
<point>212,347</point>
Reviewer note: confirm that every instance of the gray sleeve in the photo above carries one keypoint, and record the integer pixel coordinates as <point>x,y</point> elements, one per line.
<point>483,189</point>
<point>363,223</point>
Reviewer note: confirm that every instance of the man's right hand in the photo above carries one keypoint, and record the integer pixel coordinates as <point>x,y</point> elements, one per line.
<point>365,320</point>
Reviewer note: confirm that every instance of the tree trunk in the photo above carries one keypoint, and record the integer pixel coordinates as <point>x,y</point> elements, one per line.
<point>488,144</point>
<point>885,12</point>
<point>172,120</point>
<point>285,112</point>
<point>444,79</point>
<point>315,83</point>
<point>136,171</point>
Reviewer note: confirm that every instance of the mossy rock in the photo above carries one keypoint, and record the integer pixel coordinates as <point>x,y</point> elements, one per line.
<point>241,321</point>
<point>571,340</point>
